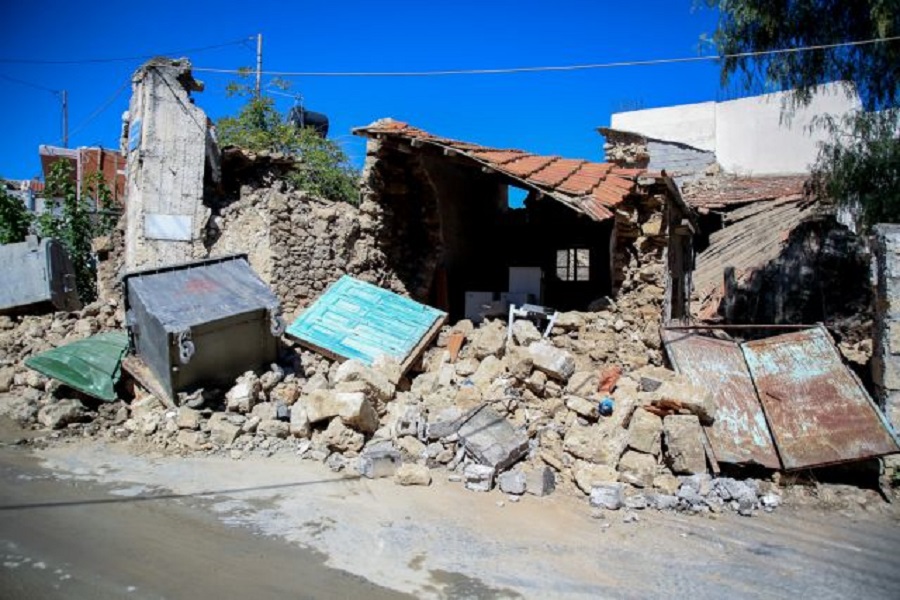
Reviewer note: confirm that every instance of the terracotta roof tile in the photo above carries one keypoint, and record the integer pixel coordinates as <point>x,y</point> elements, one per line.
<point>590,187</point>
<point>733,191</point>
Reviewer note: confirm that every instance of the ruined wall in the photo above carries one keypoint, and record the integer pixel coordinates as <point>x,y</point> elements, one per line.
<point>166,148</point>
<point>886,351</point>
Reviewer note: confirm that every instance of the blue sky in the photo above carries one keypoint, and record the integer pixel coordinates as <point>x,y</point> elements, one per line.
<point>553,113</point>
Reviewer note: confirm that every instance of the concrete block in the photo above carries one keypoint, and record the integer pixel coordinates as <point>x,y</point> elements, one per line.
<point>512,482</point>
<point>540,481</point>
<point>479,478</point>
<point>492,440</point>
<point>610,496</point>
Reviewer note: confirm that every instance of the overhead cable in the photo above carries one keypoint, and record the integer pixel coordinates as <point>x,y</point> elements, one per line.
<point>582,67</point>
<point>38,61</point>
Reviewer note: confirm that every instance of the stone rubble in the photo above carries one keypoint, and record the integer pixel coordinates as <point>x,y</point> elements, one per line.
<point>512,413</point>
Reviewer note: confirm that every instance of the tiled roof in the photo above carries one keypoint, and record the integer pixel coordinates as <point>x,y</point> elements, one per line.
<point>734,191</point>
<point>588,187</point>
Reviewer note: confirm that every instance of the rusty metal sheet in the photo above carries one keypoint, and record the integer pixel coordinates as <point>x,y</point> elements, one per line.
<point>818,411</point>
<point>739,434</point>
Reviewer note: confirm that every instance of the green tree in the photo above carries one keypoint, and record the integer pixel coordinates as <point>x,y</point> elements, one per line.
<point>15,219</point>
<point>858,165</point>
<point>322,168</point>
<point>77,221</point>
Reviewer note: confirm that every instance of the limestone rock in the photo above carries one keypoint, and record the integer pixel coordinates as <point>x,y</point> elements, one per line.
<point>489,340</point>
<point>285,393</point>
<point>645,432</point>
<point>243,396</point>
<point>610,496</point>
<point>192,440</point>
<point>412,474</point>
<point>553,361</point>
<point>583,384</point>
<point>299,425</point>
<point>61,413</point>
<point>222,431</point>
<point>6,378</point>
<point>479,478</point>
<point>585,408</point>
<point>352,407</point>
<point>273,428</point>
<point>340,438</point>
<point>588,443</point>
<point>588,475</point>
<point>411,447</point>
<point>540,481</point>
<point>490,369</point>
<point>684,444</point>
<point>667,483</point>
<point>637,468</point>
<point>520,362</point>
<point>17,408</point>
<point>679,391</point>
<point>524,332</point>
<point>512,482</point>
<point>187,418</point>
<point>378,463</point>
<point>379,387</point>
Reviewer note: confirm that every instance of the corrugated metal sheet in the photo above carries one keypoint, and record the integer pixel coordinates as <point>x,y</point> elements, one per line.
<point>355,319</point>
<point>91,365</point>
<point>739,434</point>
<point>818,411</point>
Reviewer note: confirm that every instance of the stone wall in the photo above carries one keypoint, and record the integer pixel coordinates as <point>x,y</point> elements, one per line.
<point>886,352</point>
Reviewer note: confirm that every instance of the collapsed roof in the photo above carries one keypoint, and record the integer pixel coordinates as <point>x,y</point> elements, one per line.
<point>591,188</point>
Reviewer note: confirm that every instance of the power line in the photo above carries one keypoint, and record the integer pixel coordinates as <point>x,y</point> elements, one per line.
<point>33,61</point>
<point>100,109</point>
<point>632,63</point>
<point>28,84</point>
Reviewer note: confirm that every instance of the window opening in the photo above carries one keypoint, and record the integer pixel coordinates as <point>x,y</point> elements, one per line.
<point>573,264</point>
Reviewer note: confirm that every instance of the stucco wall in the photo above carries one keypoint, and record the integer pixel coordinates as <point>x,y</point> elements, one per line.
<point>747,135</point>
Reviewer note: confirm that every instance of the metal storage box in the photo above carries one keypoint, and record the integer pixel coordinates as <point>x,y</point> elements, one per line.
<point>201,323</point>
<point>36,275</point>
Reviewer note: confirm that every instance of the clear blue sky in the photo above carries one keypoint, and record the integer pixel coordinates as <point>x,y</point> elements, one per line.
<point>554,113</point>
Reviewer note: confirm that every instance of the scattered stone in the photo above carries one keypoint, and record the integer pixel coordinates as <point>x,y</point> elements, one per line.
<point>375,464</point>
<point>491,439</point>
<point>512,482</point>
<point>524,332</point>
<point>637,469</point>
<point>587,475</point>
<point>489,340</point>
<point>352,407</point>
<point>590,444</point>
<point>645,432</point>
<point>377,385</point>
<point>556,363</point>
<point>243,396</point>
<point>17,408</point>
<point>540,481</point>
<point>667,483</point>
<point>61,413</point>
<point>636,502</point>
<point>685,452</point>
<point>221,430</point>
<point>478,478</point>
<point>187,418</point>
<point>412,474</point>
<point>299,423</point>
<point>273,428</point>
<point>681,393</point>
<point>610,496</point>
<point>192,440</point>
<point>446,423</point>
<point>585,408</point>
<point>412,447</point>
<point>340,438</point>
<point>630,517</point>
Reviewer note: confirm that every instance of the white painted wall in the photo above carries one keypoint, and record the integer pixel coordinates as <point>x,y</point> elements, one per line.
<point>747,135</point>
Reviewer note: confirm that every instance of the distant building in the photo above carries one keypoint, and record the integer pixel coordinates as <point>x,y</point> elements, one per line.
<point>29,191</point>
<point>88,160</point>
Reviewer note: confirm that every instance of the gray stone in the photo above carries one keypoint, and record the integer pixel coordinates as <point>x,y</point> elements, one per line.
<point>375,464</point>
<point>222,431</point>
<point>540,481</point>
<point>637,469</point>
<point>61,413</point>
<point>17,408</point>
<point>512,482</point>
<point>410,421</point>
<point>685,452</point>
<point>610,496</point>
<point>553,361</point>
<point>492,440</point>
<point>770,501</point>
<point>446,423</point>
<point>273,428</point>
<point>636,502</point>
<point>645,432</point>
<point>411,474</point>
<point>478,478</point>
<point>265,411</point>
<point>663,501</point>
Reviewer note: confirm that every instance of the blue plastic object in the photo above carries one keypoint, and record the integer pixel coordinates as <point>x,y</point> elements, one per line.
<point>606,406</point>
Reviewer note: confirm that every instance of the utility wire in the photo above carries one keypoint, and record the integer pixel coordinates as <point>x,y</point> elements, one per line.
<point>100,109</point>
<point>28,84</point>
<point>33,61</point>
<point>633,63</point>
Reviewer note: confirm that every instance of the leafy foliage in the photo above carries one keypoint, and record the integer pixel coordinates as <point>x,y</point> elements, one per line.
<point>858,166</point>
<point>73,221</point>
<point>15,219</point>
<point>323,167</point>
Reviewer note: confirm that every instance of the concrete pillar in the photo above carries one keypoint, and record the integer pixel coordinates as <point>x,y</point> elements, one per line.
<point>166,147</point>
<point>886,346</point>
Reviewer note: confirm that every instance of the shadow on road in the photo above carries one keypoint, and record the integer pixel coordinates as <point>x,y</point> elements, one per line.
<point>157,497</point>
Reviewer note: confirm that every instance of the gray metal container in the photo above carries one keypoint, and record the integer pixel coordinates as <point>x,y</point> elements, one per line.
<point>201,323</point>
<point>36,276</point>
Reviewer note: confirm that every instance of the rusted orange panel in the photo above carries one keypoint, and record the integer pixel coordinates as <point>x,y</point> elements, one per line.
<point>739,435</point>
<point>818,411</point>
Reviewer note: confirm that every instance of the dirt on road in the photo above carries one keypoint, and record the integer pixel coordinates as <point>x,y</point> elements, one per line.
<point>103,522</point>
